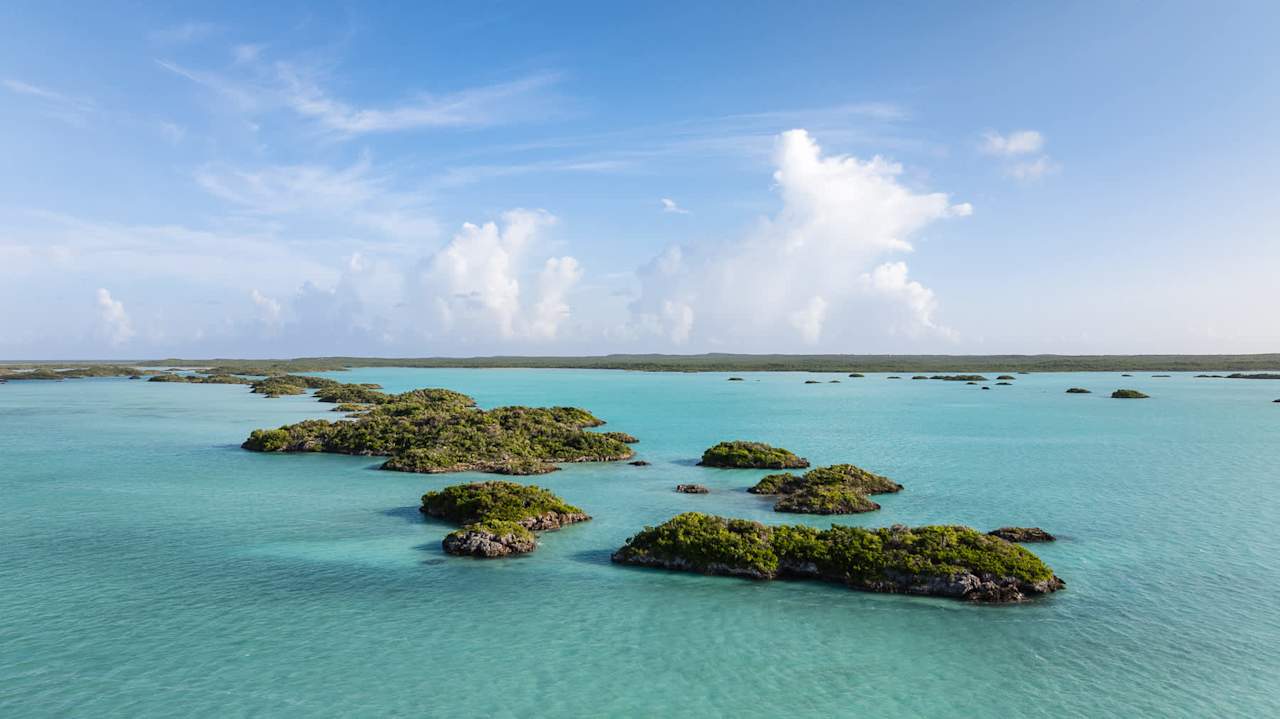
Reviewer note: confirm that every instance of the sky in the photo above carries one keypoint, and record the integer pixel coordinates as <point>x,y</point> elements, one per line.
<point>455,179</point>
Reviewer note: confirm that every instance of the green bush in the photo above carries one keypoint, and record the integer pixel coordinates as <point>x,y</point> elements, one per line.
<point>758,455</point>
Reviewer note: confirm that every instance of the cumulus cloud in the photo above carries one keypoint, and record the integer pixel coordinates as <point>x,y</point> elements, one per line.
<point>814,273</point>
<point>669,205</point>
<point>114,322</point>
<point>475,284</point>
<point>1032,170</point>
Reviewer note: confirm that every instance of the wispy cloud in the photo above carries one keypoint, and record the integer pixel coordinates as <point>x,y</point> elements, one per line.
<point>1015,146</point>
<point>255,85</point>
<point>189,31</point>
<point>480,106</point>
<point>60,105</point>
<point>1021,142</point>
<point>669,205</point>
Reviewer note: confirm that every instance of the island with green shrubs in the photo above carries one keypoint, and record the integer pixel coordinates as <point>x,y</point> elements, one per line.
<point>498,518</point>
<point>439,430</point>
<point>1129,394</point>
<point>837,489</point>
<point>1079,390</point>
<point>944,561</point>
<point>200,378</point>
<point>740,454</point>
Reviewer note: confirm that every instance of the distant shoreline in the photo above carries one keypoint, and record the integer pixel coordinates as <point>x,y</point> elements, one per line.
<point>730,363</point>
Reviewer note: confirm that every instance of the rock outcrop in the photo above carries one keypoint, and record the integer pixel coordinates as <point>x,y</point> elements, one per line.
<point>1022,534</point>
<point>692,489</point>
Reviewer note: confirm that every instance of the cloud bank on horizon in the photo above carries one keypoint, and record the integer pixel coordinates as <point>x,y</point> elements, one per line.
<point>247,185</point>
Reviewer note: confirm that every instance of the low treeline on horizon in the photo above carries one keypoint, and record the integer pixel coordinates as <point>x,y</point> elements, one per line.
<point>728,363</point>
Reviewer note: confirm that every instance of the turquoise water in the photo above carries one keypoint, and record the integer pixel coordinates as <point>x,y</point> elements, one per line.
<point>151,568</point>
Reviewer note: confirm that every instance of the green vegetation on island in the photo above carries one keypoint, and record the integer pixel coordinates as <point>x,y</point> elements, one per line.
<point>948,561</point>
<point>439,430</point>
<point>1079,390</point>
<point>720,362</point>
<point>692,489</point>
<point>751,455</point>
<point>61,372</point>
<point>200,378</point>
<point>1128,394</point>
<point>837,489</point>
<point>287,384</point>
<point>498,517</point>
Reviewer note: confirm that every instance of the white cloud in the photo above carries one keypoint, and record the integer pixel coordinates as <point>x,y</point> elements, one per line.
<point>1033,170</point>
<point>669,205</point>
<point>813,273</point>
<point>268,309</point>
<point>115,325</point>
<point>1020,142</point>
<point>1014,146</point>
<point>474,283</point>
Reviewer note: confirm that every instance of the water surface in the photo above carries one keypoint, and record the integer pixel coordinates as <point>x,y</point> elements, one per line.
<point>151,568</point>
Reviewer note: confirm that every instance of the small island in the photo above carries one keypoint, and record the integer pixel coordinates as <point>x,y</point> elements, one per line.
<point>739,454</point>
<point>1006,376</point>
<point>439,430</point>
<point>944,561</point>
<point>735,379</point>
<point>1128,394</point>
<point>498,517</point>
<point>970,378</point>
<point>856,374</point>
<point>692,489</point>
<point>837,489</point>
<point>1022,534</point>
<point>1079,390</point>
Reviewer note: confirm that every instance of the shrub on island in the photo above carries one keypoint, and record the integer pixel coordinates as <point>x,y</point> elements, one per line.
<point>497,516</point>
<point>692,489</point>
<point>351,394</point>
<point>621,437</point>
<point>837,489</point>
<point>288,384</point>
<point>1128,394</point>
<point>948,561</point>
<point>439,430</point>
<point>751,455</point>
<point>200,378</point>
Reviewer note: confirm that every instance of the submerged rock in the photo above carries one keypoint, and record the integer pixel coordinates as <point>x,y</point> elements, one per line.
<point>735,379</point>
<point>1006,376</point>
<point>639,463</point>
<point>692,489</point>
<point>946,561</point>
<point>812,381</point>
<point>1128,394</point>
<point>1003,383</point>
<point>1022,534</point>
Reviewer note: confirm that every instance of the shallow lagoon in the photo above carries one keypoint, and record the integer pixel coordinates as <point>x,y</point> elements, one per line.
<point>149,567</point>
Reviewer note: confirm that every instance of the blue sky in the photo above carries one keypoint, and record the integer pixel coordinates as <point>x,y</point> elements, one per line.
<point>474,178</point>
